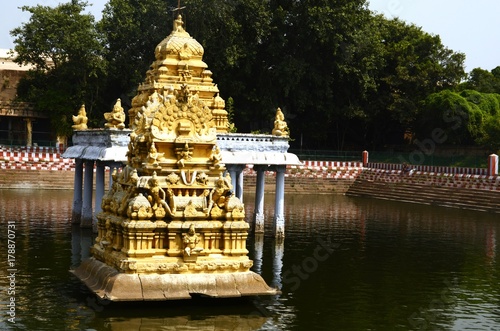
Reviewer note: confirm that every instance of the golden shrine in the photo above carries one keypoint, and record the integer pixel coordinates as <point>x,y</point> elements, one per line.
<point>171,226</point>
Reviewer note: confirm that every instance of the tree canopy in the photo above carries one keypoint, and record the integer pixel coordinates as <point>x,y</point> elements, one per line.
<point>343,76</point>
<point>66,50</point>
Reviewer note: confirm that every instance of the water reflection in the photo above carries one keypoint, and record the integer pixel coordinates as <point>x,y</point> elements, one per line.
<point>386,266</point>
<point>193,315</point>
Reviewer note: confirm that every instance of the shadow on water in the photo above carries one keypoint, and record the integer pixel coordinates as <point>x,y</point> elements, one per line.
<point>345,264</point>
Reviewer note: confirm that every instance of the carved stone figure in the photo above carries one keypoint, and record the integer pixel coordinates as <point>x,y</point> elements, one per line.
<point>154,156</point>
<point>216,157</point>
<point>116,118</point>
<point>190,241</point>
<point>80,120</point>
<point>139,208</point>
<point>280,126</point>
<point>158,198</point>
<point>184,154</point>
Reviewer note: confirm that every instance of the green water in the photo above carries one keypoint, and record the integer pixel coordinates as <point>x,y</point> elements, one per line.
<point>345,264</point>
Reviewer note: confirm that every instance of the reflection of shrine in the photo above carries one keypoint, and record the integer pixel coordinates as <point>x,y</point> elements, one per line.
<point>209,323</point>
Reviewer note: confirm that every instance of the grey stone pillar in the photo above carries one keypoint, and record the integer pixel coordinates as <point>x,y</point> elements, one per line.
<point>236,172</point>
<point>259,198</point>
<point>77,192</point>
<point>232,172</point>
<point>279,205</point>
<point>88,187</point>
<point>99,186</point>
<point>239,183</point>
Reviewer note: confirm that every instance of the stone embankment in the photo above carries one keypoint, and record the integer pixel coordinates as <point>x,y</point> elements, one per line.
<point>43,168</point>
<point>457,190</point>
<point>465,188</point>
<point>35,168</point>
<point>313,177</point>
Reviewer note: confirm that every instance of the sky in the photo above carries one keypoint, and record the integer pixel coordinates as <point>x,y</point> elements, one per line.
<point>468,26</point>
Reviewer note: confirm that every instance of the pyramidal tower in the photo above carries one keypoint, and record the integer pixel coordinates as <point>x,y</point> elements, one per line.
<point>170,226</point>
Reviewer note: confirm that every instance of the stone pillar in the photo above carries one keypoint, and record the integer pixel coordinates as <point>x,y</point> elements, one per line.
<point>232,172</point>
<point>239,184</point>
<point>279,205</point>
<point>77,192</point>
<point>365,158</point>
<point>99,186</point>
<point>259,199</point>
<point>88,187</point>
<point>29,131</point>
<point>236,172</point>
<point>493,165</point>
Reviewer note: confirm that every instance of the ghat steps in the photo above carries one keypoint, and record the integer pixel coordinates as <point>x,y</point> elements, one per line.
<point>38,179</point>
<point>479,193</point>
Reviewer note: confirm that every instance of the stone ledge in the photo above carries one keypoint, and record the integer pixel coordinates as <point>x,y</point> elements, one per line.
<point>107,283</point>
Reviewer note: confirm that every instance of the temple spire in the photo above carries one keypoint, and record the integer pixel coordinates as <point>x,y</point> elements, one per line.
<point>178,23</point>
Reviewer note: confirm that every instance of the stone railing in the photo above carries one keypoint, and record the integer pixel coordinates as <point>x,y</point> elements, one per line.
<point>428,169</point>
<point>34,158</point>
<point>252,142</point>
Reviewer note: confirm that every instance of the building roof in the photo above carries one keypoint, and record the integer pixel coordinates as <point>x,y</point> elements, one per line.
<point>7,61</point>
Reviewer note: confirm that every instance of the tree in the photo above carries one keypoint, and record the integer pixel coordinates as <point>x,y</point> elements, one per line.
<point>416,64</point>
<point>449,113</point>
<point>466,117</point>
<point>65,49</point>
<point>131,30</point>
<point>483,80</point>
<point>235,35</point>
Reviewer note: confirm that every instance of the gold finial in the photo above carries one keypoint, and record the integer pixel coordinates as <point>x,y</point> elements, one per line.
<point>178,23</point>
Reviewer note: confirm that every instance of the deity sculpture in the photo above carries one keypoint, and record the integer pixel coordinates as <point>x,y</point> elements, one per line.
<point>280,126</point>
<point>158,198</point>
<point>154,155</point>
<point>190,240</point>
<point>80,120</point>
<point>116,118</point>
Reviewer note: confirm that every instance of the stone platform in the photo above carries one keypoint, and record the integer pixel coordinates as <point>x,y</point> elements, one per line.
<point>107,283</point>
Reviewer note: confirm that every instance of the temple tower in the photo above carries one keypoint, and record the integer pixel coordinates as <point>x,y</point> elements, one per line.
<point>171,225</point>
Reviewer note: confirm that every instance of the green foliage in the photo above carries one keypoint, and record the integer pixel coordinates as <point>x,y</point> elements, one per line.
<point>483,81</point>
<point>416,65</point>
<point>447,111</point>
<point>466,117</point>
<point>64,46</point>
<point>230,115</point>
<point>340,73</point>
<point>491,139</point>
<point>131,30</point>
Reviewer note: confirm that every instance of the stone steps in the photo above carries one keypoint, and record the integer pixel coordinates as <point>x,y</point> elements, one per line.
<point>36,179</point>
<point>456,197</point>
<point>302,185</point>
<point>39,179</point>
